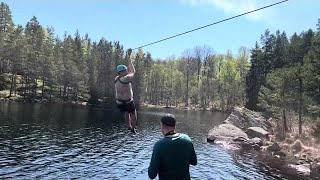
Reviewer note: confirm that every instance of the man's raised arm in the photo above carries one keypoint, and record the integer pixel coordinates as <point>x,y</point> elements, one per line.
<point>131,69</point>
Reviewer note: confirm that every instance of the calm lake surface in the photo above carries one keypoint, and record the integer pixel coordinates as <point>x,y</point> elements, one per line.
<point>55,141</point>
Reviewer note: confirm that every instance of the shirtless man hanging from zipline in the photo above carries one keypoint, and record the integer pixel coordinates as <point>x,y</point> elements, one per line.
<point>124,93</point>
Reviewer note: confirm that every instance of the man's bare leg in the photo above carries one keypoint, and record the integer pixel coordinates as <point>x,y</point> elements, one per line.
<point>127,119</point>
<point>133,118</point>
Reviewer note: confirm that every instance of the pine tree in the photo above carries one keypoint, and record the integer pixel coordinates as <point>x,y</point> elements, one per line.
<point>280,50</point>
<point>137,88</point>
<point>15,55</point>
<point>6,28</point>
<point>312,68</point>
<point>35,38</point>
<point>47,65</point>
<point>253,78</point>
<point>93,73</point>
<point>69,68</point>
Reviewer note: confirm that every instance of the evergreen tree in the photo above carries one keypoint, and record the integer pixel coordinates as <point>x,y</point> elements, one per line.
<point>312,68</point>
<point>35,40</point>
<point>15,56</point>
<point>6,28</point>
<point>254,78</point>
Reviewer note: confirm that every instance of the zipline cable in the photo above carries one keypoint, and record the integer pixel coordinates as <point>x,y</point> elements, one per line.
<point>210,24</point>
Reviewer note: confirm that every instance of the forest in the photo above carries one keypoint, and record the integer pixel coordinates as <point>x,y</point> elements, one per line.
<point>280,74</point>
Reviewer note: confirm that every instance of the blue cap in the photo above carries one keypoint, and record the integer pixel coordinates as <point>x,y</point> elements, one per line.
<point>121,68</point>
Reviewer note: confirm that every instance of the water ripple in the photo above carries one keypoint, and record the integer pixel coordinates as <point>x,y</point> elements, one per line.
<point>82,148</point>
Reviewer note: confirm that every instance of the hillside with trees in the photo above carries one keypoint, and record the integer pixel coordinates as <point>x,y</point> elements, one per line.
<point>279,75</point>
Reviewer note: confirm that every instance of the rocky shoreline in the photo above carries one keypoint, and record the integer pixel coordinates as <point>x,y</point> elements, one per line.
<point>249,130</point>
<point>43,101</point>
<point>182,107</point>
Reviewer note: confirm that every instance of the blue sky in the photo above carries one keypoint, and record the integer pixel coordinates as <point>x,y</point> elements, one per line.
<point>137,22</point>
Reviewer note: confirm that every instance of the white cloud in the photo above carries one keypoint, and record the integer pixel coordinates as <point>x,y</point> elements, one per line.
<point>232,7</point>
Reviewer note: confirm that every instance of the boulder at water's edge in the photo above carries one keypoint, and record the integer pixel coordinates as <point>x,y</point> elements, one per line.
<point>226,131</point>
<point>244,118</point>
<point>253,132</point>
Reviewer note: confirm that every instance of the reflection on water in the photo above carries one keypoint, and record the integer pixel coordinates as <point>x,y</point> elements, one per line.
<point>64,142</point>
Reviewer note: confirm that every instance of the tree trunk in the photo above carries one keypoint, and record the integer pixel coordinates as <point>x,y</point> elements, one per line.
<point>76,95</point>
<point>300,105</point>
<point>50,93</point>
<point>68,90</point>
<point>60,88</point>
<point>11,85</point>
<point>285,126</point>
<point>1,66</point>
<point>283,89</point>
<point>187,90</point>
<point>15,84</point>
<point>64,92</point>
<point>198,85</point>
<point>42,89</point>
<point>35,87</point>
<point>25,87</point>
<point>150,96</point>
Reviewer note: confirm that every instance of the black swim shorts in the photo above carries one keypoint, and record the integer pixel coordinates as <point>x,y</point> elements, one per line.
<point>127,107</point>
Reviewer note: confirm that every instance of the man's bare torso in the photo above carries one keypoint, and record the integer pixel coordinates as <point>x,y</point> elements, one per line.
<point>123,91</point>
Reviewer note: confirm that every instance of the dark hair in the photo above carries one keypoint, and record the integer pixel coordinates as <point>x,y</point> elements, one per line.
<point>168,120</point>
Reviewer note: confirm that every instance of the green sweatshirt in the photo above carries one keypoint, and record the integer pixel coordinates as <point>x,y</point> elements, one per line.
<point>171,158</point>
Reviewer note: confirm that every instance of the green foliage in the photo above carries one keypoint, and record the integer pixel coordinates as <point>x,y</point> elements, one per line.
<point>279,90</point>
<point>312,70</point>
<point>284,75</point>
<point>283,67</point>
<point>279,71</point>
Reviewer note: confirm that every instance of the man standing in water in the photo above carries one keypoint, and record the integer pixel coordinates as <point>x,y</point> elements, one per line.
<point>173,154</point>
<point>124,93</point>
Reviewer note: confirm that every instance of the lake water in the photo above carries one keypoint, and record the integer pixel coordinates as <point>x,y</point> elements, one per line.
<point>55,141</point>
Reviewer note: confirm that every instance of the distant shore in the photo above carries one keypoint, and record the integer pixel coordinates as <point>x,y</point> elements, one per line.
<point>101,103</point>
<point>182,107</point>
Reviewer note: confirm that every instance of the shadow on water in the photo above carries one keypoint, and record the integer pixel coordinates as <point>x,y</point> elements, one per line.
<point>58,141</point>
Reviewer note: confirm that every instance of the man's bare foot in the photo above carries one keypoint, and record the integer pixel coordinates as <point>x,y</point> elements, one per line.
<point>134,130</point>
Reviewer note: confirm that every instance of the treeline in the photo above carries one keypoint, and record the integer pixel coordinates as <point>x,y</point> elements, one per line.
<point>43,65</point>
<point>280,74</point>
<point>37,64</point>
<point>285,74</point>
<point>198,78</point>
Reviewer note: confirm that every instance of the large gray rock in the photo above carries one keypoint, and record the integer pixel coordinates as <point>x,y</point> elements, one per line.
<point>274,147</point>
<point>244,118</point>
<point>253,132</point>
<point>248,144</point>
<point>226,131</point>
<point>256,140</point>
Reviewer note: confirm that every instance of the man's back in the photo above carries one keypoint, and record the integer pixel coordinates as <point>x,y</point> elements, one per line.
<point>171,157</point>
